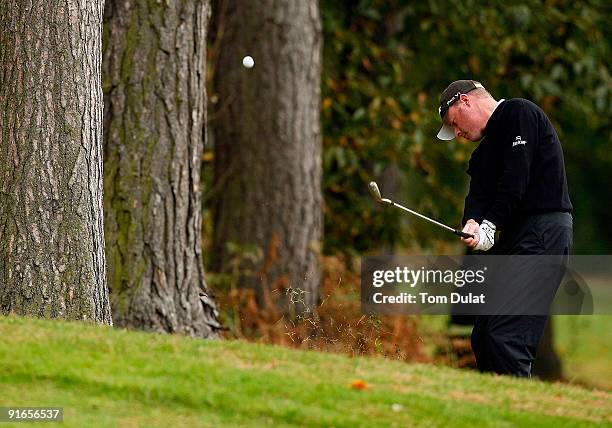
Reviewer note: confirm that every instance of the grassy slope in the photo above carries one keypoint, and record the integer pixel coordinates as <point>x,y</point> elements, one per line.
<point>106,377</point>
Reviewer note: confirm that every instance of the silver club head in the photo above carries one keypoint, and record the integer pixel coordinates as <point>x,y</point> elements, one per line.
<point>375,191</point>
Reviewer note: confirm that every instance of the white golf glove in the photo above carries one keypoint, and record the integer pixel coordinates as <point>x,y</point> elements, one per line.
<point>486,236</point>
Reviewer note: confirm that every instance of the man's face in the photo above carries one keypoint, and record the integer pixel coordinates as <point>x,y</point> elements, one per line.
<point>465,119</point>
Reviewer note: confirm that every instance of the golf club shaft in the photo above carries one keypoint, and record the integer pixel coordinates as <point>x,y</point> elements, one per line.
<point>375,191</point>
<point>450,229</point>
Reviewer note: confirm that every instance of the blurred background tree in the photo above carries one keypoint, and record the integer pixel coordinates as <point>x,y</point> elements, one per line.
<point>267,142</point>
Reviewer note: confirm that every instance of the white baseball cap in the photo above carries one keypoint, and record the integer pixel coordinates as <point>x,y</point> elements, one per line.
<point>449,97</point>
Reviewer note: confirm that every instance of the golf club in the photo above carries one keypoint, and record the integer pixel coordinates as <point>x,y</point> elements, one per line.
<point>375,191</point>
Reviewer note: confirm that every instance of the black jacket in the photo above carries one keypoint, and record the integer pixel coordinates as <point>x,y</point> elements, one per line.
<point>518,168</point>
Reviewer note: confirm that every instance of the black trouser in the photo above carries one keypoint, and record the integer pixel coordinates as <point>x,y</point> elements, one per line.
<point>507,344</point>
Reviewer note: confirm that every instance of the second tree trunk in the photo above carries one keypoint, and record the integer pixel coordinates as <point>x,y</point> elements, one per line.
<point>268,146</point>
<point>154,64</point>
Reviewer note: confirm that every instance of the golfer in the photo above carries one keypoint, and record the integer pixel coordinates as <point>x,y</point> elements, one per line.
<point>518,186</point>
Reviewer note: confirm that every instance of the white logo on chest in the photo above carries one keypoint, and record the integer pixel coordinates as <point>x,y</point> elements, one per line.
<point>518,141</point>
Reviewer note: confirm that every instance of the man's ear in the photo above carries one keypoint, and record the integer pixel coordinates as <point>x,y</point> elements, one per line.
<point>465,99</point>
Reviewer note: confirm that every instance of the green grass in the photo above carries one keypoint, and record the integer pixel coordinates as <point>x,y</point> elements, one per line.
<point>110,377</point>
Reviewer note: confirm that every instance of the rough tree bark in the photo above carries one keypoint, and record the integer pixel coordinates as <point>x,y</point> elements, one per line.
<point>154,87</point>
<point>268,144</point>
<point>52,261</point>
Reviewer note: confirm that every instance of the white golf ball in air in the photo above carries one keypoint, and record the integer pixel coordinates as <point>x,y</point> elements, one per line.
<point>248,62</point>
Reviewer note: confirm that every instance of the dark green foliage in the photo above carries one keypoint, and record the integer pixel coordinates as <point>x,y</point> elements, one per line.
<point>385,62</point>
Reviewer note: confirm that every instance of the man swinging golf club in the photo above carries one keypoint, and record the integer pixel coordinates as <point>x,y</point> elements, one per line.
<point>517,186</point>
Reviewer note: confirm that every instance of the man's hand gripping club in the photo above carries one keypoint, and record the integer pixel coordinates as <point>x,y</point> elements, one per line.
<point>484,235</point>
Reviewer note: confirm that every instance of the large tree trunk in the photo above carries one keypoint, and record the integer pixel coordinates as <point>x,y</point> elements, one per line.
<point>154,84</point>
<point>52,261</point>
<point>268,145</point>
